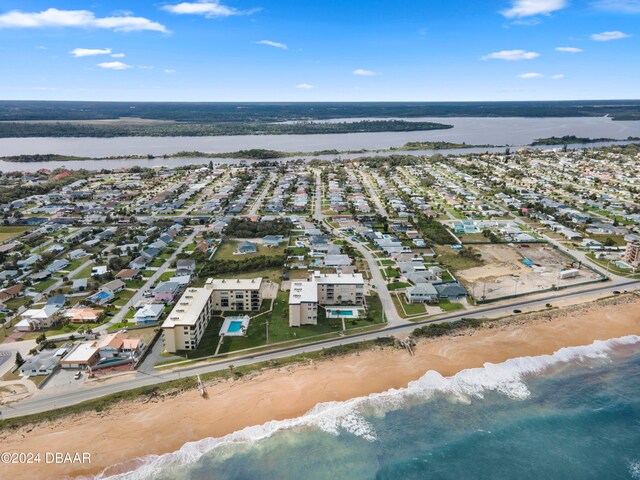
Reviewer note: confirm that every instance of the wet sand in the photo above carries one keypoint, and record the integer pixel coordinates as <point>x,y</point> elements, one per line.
<point>164,424</point>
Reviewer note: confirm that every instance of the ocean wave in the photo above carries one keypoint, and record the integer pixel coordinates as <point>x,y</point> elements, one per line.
<point>507,378</point>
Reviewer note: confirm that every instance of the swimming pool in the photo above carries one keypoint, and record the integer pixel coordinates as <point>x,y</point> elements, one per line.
<point>622,264</point>
<point>341,313</point>
<point>234,327</point>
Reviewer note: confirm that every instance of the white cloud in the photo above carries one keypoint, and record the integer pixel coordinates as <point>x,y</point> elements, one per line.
<point>273,44</point>
<point>529,8</point>
<point>53,17</point>
<point>560,76</point>
<point>88,52</point>
<point>206,8</point>
<point>608,36</point>
<point>511,55</point>
<point>114,65</point>
<point>118,55</point>
<point>364,73</point>
<point>305,86</point>
<point>569,50</point>
<point>169,70</point>
<point>623,6</point>
<point>146,67</point>
<point>531,75</point>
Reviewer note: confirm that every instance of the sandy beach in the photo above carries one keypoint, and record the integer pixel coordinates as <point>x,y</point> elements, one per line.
<point>164,424</point>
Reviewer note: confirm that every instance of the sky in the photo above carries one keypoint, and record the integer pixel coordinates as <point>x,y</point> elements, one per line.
<point>329,50</point>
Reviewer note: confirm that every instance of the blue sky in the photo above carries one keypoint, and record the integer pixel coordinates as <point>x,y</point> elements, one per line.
<point>330,50</point>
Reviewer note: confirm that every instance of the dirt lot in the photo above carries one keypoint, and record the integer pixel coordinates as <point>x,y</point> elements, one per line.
<point>504,272</point>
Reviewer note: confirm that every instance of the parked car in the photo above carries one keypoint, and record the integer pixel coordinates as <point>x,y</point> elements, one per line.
<point>77,375</point>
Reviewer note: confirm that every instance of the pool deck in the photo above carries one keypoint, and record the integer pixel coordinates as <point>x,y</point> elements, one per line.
<point>228,331</point>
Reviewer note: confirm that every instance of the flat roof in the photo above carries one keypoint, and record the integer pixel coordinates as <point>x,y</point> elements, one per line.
<point>236,283</point>
<point>338,278</point>
<point>188,308</point>
<point>82,354</point>
<point>303,292</point>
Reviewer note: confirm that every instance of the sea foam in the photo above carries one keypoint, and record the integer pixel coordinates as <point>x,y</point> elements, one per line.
<point>507,378</point>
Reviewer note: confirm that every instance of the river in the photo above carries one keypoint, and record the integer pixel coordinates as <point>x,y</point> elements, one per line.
<point>494,131</point>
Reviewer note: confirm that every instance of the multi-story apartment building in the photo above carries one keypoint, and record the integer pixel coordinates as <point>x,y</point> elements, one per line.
<point>243,295</point>
<point>184,327</point>
<point>323,289</point>
<point>632,254</point>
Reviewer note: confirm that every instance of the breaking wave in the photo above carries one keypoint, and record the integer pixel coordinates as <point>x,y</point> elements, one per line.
<point>507,378</point>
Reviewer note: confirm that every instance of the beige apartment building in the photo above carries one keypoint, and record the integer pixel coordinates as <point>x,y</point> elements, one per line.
<point>303,304</point>
<point>632,254</point>
<point>241,295</point>
<point>184,327</point>
<point>329,289</point>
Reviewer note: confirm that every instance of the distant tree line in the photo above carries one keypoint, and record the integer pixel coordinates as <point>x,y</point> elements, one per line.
<point>60,129</point>
<point>245,228</point>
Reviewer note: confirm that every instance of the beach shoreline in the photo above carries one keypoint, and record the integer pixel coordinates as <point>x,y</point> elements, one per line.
<point>117,437</point>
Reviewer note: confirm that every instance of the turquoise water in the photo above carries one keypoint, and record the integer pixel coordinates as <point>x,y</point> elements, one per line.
<point>234,327</point>
<point>573,415</point>
<point>622,264</point>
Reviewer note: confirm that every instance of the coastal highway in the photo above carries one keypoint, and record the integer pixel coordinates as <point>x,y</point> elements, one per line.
<point>44,402</point>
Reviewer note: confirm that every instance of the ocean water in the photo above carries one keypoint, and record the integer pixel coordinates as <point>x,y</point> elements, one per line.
<point>571,415</point>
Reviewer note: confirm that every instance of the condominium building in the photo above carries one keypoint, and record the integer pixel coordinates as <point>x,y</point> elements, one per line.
<point>338,288</point>
<point>303,304</point>
<point>632,254</point>
<point>323,289</point>
<point>243,295</point>
<point>184,327</point>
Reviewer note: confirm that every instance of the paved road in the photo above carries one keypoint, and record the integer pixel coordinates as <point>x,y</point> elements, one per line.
<point>265,191</point>
<point>377,280</point>
<point>44,401</point>
<point>373,193</point>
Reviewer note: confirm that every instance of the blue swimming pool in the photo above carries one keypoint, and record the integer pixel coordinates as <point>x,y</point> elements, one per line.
<point>234,327</point>
<point>622,264</point>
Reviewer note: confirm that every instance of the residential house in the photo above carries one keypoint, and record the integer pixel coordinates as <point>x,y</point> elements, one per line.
<point>37,318</point>
<point>149,314</point>
<point>422,293</point>
<point>247,247</point>
<point>83,315</point>
<point>128,274</point>
<point>113,286</point>
<point>272,240</point>
<point>185,267</point>
<point>166,292</point>
<point>58,265</point>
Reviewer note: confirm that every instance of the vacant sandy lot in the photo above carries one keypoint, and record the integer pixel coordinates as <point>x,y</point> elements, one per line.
<point>504,272</point>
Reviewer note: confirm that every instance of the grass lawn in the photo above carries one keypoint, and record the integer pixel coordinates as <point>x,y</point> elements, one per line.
<point>85,272</point>
<point>16,303</point>
<point>75,264</point>
<point>453,260</point>
<point>228,248</point>
<point>135,283</point>
<point>396,285</point>
<point>42,286</point>
<point>9,232</point>
<point>407,309</point>
<point>619,240</point>
<point>387,263</point>
<point>166,276</point>
<point>449,306</point>
<point>392,272</point>
<point>123,297</point>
